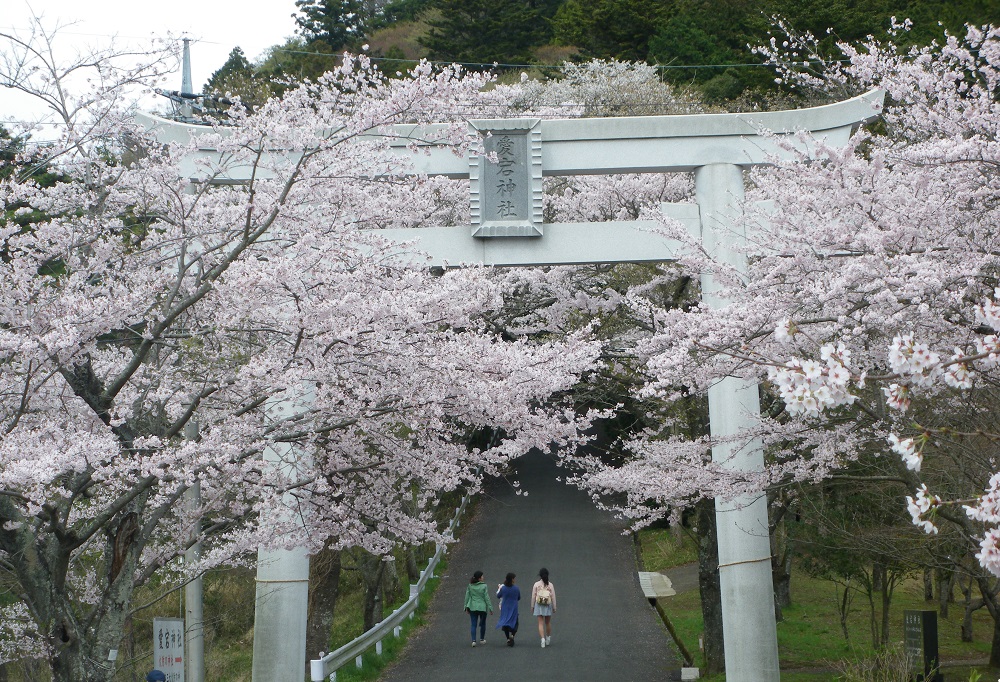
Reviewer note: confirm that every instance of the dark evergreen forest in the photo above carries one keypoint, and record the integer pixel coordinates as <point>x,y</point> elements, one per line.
<point>696,42</point>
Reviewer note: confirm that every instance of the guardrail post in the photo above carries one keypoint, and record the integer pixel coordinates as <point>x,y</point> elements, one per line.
<point>358,662</point>
<point>397,631</point>
<point>378,648</point>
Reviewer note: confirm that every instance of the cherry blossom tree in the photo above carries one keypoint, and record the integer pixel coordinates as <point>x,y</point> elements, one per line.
<point>931,186</point>
<point>324,374</point>
<point>82,93</point>
<point>868,313</point>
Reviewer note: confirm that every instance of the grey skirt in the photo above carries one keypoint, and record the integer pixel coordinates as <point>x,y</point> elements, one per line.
<point>542,610</point>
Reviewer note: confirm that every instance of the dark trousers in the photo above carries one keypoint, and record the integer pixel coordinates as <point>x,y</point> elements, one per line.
<point>509,631</point>
<point>480,617</point>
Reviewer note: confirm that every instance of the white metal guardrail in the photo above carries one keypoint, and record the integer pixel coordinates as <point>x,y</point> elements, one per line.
<point>326,666</point>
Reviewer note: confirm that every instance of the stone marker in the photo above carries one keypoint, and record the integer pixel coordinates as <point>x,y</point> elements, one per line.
<point>920,642</point>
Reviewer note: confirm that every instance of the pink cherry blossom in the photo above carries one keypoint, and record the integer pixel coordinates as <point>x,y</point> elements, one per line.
<point>906,449</point>
<point>919,507</point>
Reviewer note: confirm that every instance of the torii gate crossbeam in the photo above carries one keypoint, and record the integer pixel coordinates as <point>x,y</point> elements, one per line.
<point>507,230</point>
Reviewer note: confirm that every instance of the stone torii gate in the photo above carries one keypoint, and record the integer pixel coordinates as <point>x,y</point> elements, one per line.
<point>507,230</point>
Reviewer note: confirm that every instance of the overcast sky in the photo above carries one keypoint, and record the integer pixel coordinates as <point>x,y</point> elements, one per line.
<point>216,26</point>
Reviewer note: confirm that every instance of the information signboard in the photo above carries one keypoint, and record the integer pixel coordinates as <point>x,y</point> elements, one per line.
<point>920,641</point>
<point>168,647</point>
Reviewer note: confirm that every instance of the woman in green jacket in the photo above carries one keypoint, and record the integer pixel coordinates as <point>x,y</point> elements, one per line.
<point>477,603</point>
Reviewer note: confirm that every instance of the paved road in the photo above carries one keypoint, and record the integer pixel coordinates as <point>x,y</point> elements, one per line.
<point>604,629</point>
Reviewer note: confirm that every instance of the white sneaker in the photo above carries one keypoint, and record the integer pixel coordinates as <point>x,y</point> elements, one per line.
<point>548,640</point>
<point>473,645</point>
<point>482,641</point>
<point>543,642</point>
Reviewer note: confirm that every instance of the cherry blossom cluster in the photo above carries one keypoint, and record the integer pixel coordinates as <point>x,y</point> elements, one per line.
<point>915,366</point>
<point>986,510</point>
<point>19,635</point>
<point>921,506</point>
<point>906,448</point>
<point>600,88</point>
<point>809,387</point>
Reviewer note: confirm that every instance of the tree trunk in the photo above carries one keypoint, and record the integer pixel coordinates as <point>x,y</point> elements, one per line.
<point>372,571</point>
<point>711,593</point>
<point>995,642</point>
<point>412,569</point>
<point>878,577</point>
<point>126,654</point>
<point>390,583</point>
<point>945,584</point>
<point>967,618</point>
<point>928,584</point>
<point>781,558</point>
<point>324,588</point>
<point>80,651</point>
<point>872,589</point>
<point>781,577</point>
<point>872,620</point>
<point>886,602</point>
<point>844,608</point>
<point>988,590</point>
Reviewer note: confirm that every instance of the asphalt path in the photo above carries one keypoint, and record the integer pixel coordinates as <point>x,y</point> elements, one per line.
<point>604,629</point>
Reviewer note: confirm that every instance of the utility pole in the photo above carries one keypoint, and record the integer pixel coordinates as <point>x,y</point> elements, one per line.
<point>194,622</point>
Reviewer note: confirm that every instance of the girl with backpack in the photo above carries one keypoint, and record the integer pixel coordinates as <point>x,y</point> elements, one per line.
<point>543,600</point>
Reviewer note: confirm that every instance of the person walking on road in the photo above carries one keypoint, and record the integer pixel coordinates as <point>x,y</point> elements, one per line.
<point>543,599</point>
<point>509,595</point>
<point>477,603</point>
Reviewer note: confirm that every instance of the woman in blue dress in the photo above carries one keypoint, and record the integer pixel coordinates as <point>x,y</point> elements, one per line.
<point>509,595</point>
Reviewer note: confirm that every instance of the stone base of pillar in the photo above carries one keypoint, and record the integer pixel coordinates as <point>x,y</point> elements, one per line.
<point>280,612</point>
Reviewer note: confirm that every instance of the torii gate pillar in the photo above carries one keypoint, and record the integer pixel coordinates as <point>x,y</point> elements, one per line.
<point>749,630</point>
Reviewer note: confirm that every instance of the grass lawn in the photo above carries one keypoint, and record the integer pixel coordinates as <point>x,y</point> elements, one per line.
<point>811,643</point>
